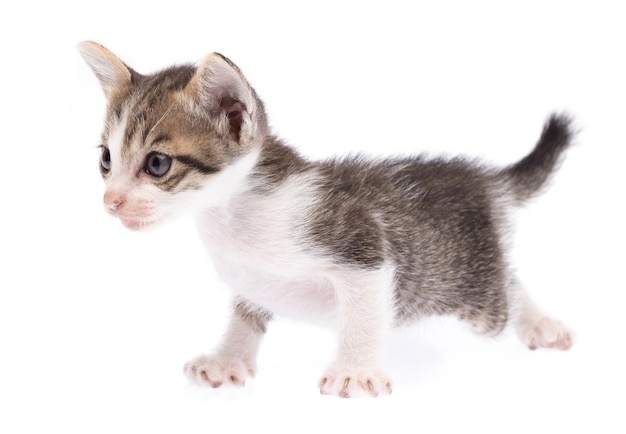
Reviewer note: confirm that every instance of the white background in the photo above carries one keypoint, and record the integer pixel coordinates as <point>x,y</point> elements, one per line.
<point>96,322</point>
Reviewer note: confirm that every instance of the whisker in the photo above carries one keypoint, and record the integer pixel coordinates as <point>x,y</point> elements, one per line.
<point>161,119</point>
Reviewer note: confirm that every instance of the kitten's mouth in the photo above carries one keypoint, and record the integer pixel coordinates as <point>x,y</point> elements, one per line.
<point>138,221</point>
<point>136,224</point>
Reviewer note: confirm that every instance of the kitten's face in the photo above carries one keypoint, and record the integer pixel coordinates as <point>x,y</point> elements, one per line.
<point>169,137</point>
<point>155,155</point>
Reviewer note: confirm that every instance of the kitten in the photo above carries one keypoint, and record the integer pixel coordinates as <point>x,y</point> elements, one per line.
<point>357,244</point>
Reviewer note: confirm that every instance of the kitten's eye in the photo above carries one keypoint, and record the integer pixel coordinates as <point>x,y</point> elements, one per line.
<point>105,160</point>
<point>158,164</point>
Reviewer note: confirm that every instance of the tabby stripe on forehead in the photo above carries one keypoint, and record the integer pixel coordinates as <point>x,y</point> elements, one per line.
<point>131,127</point>
<point>196,165</point>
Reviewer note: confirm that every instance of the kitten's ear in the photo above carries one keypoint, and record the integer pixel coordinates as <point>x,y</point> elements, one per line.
<point>110,70</point>
<point>222,91</point>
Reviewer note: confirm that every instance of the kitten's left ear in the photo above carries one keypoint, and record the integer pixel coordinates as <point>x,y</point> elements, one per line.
<point>112,73</point>
<point>221,90</point>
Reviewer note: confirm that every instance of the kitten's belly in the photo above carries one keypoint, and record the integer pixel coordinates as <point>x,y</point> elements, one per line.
<point>255,254</point>
<point>282,292</point>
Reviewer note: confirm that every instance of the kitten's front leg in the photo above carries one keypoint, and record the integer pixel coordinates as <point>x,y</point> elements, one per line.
<point>235,358</point>
<point>365,316</point>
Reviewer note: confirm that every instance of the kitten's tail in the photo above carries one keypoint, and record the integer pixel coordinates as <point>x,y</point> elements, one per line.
<point>528,176</point>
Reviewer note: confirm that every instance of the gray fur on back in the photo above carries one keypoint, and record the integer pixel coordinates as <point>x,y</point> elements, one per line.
<point>440,222</point>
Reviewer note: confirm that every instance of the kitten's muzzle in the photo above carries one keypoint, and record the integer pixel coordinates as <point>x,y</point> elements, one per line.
<point>133,215</point>
<point>113,202</point>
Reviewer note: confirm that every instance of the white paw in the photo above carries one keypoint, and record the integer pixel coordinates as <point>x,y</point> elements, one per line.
<point>346,381</point>
<point>213,371</point>
<point>548,333</point>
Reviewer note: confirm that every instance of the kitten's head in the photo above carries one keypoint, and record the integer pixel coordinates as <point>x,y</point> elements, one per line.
<point>169,137</point>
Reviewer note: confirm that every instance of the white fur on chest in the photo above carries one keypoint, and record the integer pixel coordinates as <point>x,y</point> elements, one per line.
<point>258,247</point>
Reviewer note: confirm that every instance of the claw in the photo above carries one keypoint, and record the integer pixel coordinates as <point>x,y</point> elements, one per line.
<point>369,388</point>
<point>388,388</point>
<point>344,392</point>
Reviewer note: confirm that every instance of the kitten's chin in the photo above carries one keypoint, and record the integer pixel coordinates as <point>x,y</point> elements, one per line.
<point>135,224</point>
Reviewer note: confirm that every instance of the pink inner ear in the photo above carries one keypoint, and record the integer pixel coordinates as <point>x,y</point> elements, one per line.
<point>234,111</point>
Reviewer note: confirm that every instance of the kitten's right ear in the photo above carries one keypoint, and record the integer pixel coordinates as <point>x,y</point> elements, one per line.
<point>110,70</point>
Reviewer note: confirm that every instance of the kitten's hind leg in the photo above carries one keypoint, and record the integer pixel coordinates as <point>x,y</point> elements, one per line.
<point>235,359</point>
<point>536,329</point>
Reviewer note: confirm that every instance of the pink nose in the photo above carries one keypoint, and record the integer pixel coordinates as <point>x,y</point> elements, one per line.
<point>113,201</point>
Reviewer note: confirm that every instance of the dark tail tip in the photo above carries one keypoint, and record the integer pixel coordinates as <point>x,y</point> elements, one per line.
<point>530,174</point>
<point>557,131</point>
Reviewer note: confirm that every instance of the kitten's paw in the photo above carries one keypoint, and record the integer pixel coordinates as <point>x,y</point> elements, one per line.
<point>547,333</point>
<point>346,381</point>
<point>213,371</point>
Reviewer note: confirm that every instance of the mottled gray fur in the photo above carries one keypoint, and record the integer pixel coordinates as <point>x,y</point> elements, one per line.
<point>441,222</point>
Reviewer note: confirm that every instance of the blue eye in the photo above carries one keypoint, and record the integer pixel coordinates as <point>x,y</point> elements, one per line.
<point>105,160</point>
<point>158,164</point>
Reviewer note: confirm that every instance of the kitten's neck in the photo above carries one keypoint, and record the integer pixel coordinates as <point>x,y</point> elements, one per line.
<point>259,171</point>
<point>276,163</point>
